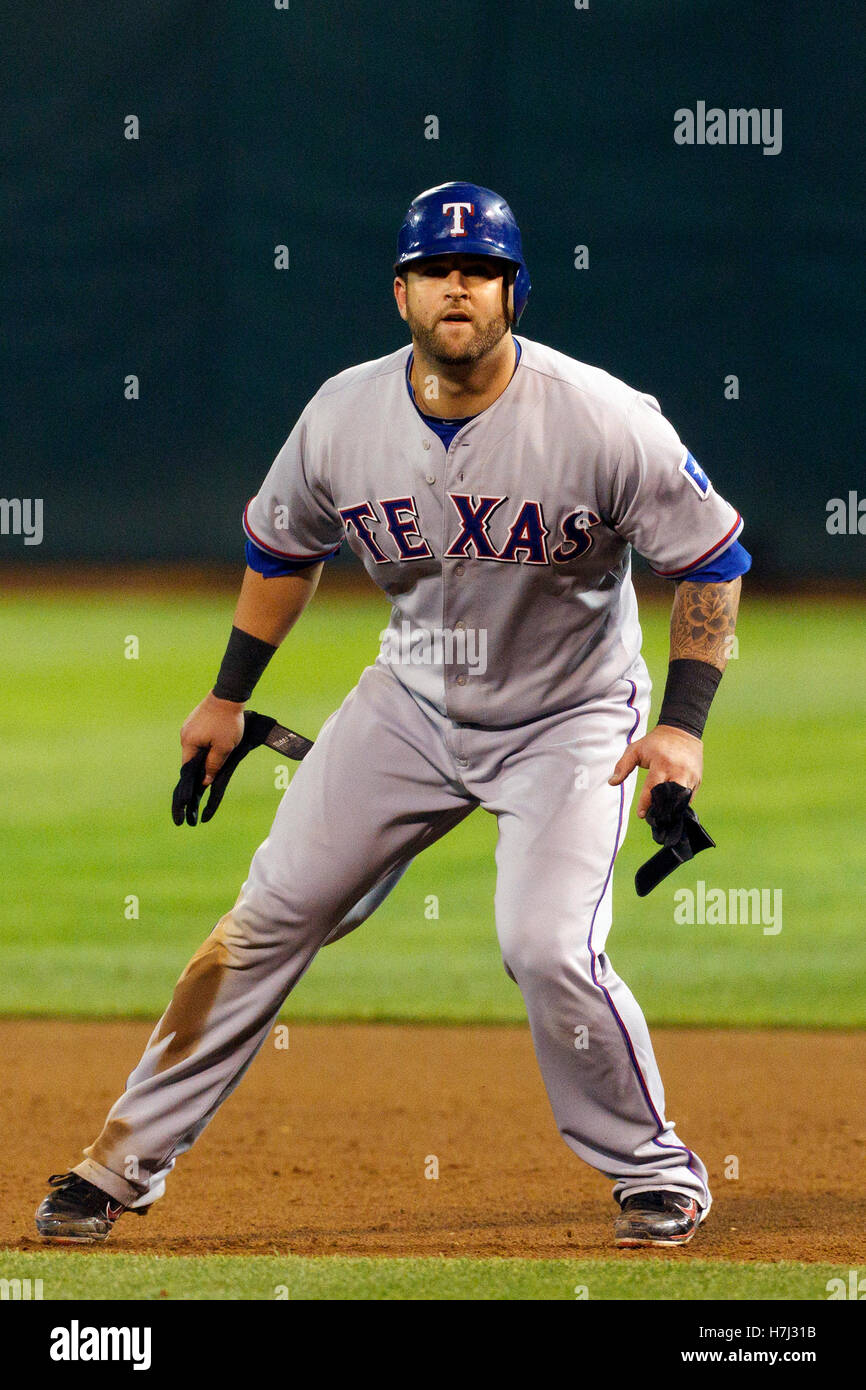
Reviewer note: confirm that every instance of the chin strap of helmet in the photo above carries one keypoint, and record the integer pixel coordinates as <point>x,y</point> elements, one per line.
<point>508,278</point>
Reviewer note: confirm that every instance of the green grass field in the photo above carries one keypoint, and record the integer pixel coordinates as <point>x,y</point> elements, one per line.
<point>91,755</point>
<point>106,1275</point>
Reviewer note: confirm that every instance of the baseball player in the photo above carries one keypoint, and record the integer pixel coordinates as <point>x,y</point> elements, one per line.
<point>493,488</point>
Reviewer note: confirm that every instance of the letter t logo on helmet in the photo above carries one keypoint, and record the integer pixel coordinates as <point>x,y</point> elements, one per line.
<point>481,219</point>
<point>457,227</point>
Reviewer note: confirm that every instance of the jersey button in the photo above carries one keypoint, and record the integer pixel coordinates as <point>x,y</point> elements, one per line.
<point>426,443</point>
<point>460,624</point>
<point>430,478</point>
<point>461,680</point>
<point>459,570</point>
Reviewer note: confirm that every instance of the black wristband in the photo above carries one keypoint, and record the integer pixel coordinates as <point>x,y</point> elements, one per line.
<point>242,666</point>
<point>688,695</point>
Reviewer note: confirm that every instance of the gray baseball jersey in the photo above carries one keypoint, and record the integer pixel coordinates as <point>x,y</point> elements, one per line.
<point>547,488</point>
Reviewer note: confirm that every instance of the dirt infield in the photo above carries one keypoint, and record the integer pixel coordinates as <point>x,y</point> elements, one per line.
<point>323,1148</point>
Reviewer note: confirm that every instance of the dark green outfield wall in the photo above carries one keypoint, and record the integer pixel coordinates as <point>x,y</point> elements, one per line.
<point>306,127</point>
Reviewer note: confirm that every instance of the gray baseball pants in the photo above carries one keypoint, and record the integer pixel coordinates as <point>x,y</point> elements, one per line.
<point>387,777</point>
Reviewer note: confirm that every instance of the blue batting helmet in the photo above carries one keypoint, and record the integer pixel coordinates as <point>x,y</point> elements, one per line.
<point>462,217</point>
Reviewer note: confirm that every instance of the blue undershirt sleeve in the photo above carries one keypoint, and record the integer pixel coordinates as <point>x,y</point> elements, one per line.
<point>732,562</point>
<point>272,567</point>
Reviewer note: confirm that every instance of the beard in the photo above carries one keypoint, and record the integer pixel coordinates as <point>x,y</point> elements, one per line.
<point>483,340</point>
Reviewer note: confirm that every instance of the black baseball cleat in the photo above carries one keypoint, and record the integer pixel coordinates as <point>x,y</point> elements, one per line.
<point>76,1212</point>
<point>657,1218</point>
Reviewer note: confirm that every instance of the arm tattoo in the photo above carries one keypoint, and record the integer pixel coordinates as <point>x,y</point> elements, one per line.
<point>703,620</point>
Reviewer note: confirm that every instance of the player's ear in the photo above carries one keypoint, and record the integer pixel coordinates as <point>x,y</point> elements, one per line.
<point>400,295</point>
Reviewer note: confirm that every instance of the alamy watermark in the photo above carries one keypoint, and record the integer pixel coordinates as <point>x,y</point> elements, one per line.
<point>855,1288</point>
<point>20,1290</point>
<point>77,1343</point>
<point>438,646</point>
<point>737,126</point>
<point>846,516</point>
<point>736,906</point>
<point>22,516</point>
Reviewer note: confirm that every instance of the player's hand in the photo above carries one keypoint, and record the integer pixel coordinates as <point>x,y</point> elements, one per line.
<point>669,755</point>
<point>215,726</point>
<point>257,729</point>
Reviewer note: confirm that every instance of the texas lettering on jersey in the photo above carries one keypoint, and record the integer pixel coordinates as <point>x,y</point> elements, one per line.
<point>522,527</point>
<point>527,533</point>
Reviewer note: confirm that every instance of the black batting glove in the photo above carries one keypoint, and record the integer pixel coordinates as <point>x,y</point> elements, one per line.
<point>677,829</point>
<point>190,788</point>
<point>667,812</point>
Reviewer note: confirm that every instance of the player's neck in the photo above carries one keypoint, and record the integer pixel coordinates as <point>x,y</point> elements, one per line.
<point>464,389</point>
